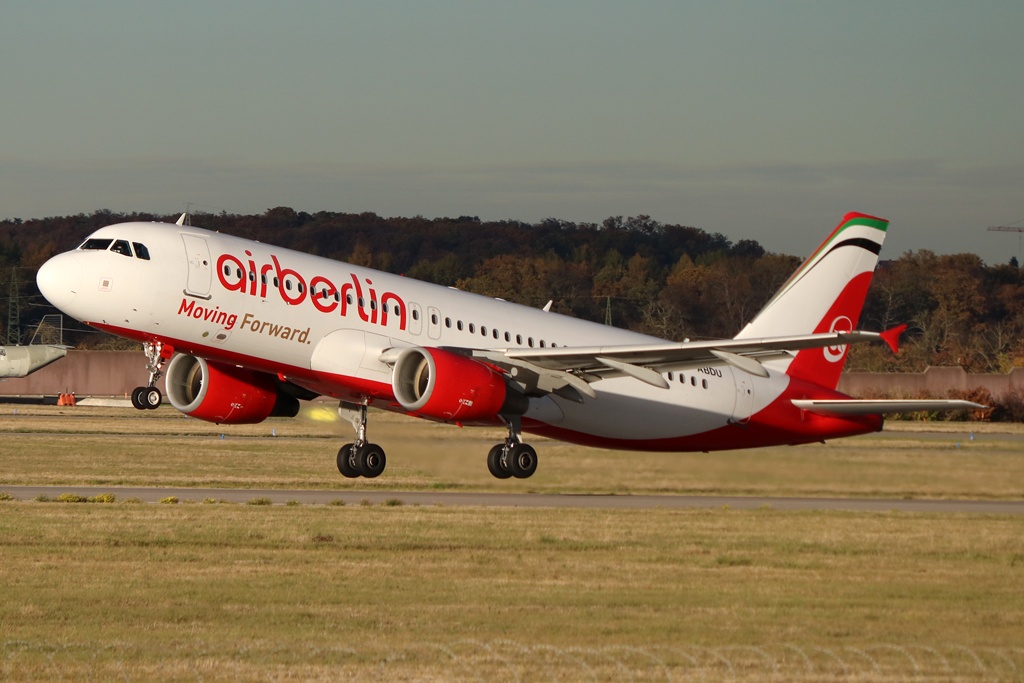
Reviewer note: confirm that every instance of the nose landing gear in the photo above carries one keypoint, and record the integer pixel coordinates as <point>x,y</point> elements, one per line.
<point>149,397</point>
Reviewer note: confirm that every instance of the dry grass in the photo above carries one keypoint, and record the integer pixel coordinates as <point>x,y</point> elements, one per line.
<point>93,446</point>
<point>255,592</point>
<point>390,593</point>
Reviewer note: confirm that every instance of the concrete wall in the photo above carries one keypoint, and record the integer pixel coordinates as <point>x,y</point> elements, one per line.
<point>85,373</point>
<point>936,382</point>
<point>116,373</point>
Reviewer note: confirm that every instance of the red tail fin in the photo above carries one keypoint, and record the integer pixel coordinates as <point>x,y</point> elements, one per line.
<point>825,294</point>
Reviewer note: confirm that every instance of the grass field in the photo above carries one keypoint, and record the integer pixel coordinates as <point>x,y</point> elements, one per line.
<point>252,592</point>
<point>117,447</point>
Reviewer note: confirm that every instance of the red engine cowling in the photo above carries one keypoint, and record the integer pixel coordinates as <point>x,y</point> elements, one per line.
<point>225,394</point>
<point>446,386</point>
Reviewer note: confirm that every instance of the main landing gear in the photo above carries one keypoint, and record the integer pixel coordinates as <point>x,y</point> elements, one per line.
<point>359,459</point>
<point>513,458</point>
<point>149,397</point>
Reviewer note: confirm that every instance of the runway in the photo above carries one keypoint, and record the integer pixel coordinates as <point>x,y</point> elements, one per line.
<point>529,500</point>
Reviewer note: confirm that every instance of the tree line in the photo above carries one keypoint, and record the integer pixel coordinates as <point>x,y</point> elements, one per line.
<point>672,281</point>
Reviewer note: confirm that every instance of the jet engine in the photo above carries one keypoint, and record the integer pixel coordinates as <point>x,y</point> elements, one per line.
<point>445,386</point>
<point>225,394</point>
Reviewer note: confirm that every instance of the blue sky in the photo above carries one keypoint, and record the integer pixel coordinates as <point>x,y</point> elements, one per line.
<point>760,120</point>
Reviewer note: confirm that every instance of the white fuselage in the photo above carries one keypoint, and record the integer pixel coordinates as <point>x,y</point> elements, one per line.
<point>323,324</point>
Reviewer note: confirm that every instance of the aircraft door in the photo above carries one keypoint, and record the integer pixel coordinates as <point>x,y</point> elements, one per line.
<point>415,318</point>
<point>433,323</point>
<point>744,407</point>
<point>200,272</point>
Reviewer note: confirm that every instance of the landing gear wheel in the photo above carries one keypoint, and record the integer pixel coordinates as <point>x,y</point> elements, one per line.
<point>151,398</point>
<point>137,398</point>
<point>496,462</point>
<point>370,460</point>
<point>345,464</point>
<point>521,460</point>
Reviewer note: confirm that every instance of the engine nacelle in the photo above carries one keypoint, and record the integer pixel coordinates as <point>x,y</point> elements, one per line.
<point>446,386</point>
<point>225,394</point>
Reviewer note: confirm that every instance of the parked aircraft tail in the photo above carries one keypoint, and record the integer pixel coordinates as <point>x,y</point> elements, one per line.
<point>825,294</point>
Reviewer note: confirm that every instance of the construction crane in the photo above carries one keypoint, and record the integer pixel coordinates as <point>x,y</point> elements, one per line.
<point>1010,228</point>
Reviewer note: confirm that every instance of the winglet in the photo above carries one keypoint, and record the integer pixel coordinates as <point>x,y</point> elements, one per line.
<point>892,337</point>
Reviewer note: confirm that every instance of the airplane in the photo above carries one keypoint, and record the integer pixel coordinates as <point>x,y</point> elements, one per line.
<point>247,330</point>
<point>21,361</point>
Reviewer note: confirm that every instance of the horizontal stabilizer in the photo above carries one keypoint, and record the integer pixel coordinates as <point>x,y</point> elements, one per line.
<point>880,407</point>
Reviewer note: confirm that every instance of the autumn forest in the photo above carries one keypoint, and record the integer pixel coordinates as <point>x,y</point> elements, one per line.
<point>672,281</point>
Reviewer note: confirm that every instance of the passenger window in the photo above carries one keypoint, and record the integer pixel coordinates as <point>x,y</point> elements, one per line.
<point>141,251</point>
<point>415,314</point>
<point>459,325</point>
<point>96,244</point>
<point>121,247</point>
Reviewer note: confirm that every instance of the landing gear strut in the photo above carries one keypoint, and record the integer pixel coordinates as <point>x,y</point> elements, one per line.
<point>359,459</point>
<point>149,397</point>
<point>513,458</point>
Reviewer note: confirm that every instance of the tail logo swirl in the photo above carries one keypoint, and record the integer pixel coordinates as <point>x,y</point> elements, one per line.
<point>834,354</point>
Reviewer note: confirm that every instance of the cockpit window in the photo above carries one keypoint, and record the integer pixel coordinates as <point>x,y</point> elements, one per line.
<point>98,244</point>
<point>141,251</point>
<point>121,247</point>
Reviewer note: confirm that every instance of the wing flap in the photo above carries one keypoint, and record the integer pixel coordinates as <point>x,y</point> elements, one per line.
<point>693,353</point>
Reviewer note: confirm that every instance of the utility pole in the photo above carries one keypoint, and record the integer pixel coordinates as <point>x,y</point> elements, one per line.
<point>13,312</point>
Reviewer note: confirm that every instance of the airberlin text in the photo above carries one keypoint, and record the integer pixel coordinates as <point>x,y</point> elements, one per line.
<point>325,295</point>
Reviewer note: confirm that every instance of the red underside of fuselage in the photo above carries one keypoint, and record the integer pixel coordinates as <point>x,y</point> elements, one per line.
<point>780,423</point>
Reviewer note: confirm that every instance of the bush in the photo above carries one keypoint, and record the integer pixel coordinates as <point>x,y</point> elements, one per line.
<point>169,500</point>
<point>103,498</point>
<point>1009,408</point>
<point>260,501</point>
<point>71,498</point>
<point>5,496</point>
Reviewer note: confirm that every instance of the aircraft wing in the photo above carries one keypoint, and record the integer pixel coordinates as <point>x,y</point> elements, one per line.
<point>880,407</point>
<point>552,369</point>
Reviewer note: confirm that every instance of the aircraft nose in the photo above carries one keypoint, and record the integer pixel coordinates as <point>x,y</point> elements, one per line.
<point>60,279</point>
